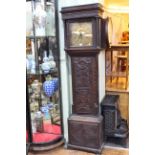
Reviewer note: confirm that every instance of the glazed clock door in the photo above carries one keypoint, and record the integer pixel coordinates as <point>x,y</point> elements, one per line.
<point>42,65</point>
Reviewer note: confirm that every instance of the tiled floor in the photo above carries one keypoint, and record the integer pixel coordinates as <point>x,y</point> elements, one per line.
<point>62,151</point>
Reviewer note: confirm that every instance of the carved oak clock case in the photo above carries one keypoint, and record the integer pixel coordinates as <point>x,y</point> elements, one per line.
<point>84,39</point>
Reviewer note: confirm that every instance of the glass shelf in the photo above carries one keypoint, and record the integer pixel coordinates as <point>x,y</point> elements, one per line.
<point>38,37</point>
<point>52,72</point>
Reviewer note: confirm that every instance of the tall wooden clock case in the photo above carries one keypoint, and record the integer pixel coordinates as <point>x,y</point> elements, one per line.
<point>84,39</point>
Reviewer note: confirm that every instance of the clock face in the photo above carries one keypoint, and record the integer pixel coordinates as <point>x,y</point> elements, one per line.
<point>81,34</point>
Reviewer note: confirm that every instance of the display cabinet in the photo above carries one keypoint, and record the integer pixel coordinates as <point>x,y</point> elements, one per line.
<point>44,115</point>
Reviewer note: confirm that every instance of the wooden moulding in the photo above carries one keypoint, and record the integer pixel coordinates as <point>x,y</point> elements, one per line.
<point>87,149</point>
<point>83,51</point>
<point>82,11</point>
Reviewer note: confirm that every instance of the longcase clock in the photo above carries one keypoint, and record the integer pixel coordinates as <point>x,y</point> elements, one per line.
<point>83,42</point>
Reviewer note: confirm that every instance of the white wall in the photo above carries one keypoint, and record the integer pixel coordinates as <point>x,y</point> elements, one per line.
<point>101,65</point>
<point>120,23</point>
<point>65,68</point>
<point>78,2</point>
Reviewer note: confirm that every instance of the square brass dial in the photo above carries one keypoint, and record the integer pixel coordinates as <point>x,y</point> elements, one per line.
<point>81,34</point>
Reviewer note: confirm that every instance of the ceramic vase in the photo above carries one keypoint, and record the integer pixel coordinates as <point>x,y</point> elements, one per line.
<point>45,65</point>
<point>48,62</point>
<point>48,86</point>
<point>45,110</point>
<point>56,84</point>
<point>52,63</point>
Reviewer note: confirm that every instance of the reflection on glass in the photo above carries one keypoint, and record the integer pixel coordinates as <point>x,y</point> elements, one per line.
<point>39,19</point>
<point>29,16</point>
<point>50,19</point>
<point>81,34</point>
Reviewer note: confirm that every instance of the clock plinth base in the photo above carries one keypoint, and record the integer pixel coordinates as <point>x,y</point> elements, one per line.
<point>86,133</point>
<point>87,149</point>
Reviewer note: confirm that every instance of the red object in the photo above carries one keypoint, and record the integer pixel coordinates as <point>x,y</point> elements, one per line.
<point>55,129</point>
<point>51,132</point>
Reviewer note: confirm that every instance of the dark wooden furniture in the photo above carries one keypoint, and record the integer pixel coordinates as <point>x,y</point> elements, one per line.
<point>85,133</point>
<point>110,113</point>
<point>115,127</point>
<point>84,39</point>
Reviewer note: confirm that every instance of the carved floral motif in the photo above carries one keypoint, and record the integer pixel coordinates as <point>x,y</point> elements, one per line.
<point>85,88</point>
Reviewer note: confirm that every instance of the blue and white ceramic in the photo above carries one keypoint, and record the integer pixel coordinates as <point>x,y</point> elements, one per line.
<point>48,87</point>
<point>51,59</point>
<point>52,64</point>
<point>50,105</point>
<point>45,58</point>
<point>45,111</point>
<point>45,67</point>
<point>48,63</point>
<point>56,84</point>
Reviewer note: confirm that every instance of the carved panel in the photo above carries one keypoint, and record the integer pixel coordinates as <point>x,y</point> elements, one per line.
<point>85,84</point>
<point>81,133</point>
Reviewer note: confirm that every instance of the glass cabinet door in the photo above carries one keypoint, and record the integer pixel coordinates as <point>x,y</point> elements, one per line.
<point>42,65</point>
